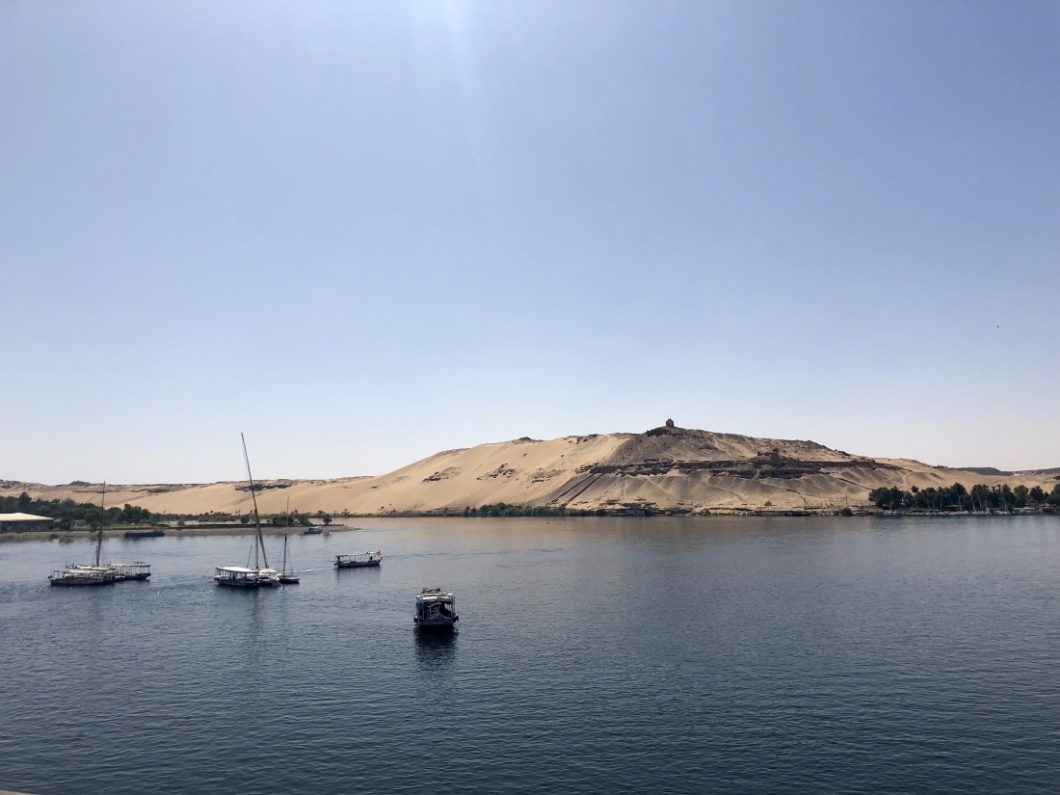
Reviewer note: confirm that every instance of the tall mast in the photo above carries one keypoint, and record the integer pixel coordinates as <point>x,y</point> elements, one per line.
<point>257,518</point>
<point>102,516</point>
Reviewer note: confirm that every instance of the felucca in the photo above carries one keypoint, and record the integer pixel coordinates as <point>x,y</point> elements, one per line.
<point>244,576</point>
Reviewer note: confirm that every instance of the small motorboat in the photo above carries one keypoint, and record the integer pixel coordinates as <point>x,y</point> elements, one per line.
<point>362,560</point>
<point>312,531</point>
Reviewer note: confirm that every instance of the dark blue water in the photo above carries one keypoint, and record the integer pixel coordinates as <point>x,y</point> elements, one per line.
<point>594,655</point>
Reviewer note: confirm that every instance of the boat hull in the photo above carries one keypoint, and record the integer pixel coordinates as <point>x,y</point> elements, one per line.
<point>368,564</point>
<point>79,582</point>
<point>436,626</point>
<point>224,582</point>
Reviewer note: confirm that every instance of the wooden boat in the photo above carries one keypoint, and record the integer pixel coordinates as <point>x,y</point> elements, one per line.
<point>244,576</point>
<point>286,577</point>
<point>78,575</point>
<point>362,560</point>
<point>121,571</point>
<point>435,610</point>
<point>236,576</point>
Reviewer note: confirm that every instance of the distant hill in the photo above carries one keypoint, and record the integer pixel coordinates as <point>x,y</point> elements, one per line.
<point>664,470</point>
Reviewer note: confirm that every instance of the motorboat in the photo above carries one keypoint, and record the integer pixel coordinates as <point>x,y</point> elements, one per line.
<point>435,610</point>
<point>82,575</point>
<point>358,561</point>
<point>237,577</point>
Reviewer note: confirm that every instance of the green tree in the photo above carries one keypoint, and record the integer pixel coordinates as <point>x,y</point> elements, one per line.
<point>1021,493</point>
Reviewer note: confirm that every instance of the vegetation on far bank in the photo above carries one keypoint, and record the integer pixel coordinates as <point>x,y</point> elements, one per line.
<point>67,512</point>
<point>958,498</point>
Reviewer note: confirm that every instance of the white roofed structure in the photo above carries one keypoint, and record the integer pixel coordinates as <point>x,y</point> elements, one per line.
<point>24,521</point>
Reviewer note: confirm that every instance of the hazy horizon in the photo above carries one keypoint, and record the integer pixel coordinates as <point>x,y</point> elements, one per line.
<point>363,233</point>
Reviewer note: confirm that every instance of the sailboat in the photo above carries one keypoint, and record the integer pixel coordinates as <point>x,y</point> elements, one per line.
<point>287,577</point>
<point>245,576</point>
<point>99,573</point>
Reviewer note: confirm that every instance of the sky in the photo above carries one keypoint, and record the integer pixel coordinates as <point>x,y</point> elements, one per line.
<point>365,232</point>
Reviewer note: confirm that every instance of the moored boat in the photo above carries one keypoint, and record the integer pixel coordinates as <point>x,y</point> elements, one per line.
<point>99,573</point>
<point>81,575</point>
<point>435,610</point>
<point>358,561</point>
<point>120,571</point>
<point>145,533</point>
<point>287,577</point>
<point>137,570</point>
<point>236,577</point>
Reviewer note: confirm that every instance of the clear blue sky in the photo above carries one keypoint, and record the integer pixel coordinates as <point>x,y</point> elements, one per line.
<point>366,232</point>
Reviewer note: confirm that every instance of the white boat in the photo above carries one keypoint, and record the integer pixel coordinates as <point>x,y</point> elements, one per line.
<point>358,561</point>
<point>246,576</point>
<point>99,573</point>
<point>267,577</point>
<point>120,571</point>
<point>435,610</point>
<point>82,575</point>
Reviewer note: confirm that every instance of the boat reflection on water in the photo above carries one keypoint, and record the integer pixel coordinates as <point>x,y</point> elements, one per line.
<point>435,650</point>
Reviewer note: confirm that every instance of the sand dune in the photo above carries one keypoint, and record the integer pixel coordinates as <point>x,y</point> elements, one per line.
<point>666,469</point>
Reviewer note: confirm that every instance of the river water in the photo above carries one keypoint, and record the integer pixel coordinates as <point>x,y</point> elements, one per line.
<point>594,655</point>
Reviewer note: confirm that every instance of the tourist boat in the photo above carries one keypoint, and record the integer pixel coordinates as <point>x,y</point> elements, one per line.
<point>82,575</point>
<point>435,610</point>
<point>287,577</point>
<point>121,571</point>
<point>99,573</point>
<point>236,576</point>
<point>362,560</point>
<point>245,576</point>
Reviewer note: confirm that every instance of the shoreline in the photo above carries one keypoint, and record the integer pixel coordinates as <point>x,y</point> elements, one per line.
<point>14,536</point>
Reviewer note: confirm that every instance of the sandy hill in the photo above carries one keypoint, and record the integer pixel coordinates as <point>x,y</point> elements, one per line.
<point>666,469</point>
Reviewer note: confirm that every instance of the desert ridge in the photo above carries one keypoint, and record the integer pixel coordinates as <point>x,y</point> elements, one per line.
<point>664,470</point>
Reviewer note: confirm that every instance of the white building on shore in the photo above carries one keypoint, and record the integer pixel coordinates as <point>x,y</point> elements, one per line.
<point>24,521</point>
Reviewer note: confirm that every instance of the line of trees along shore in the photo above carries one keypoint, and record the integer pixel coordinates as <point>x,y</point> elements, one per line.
<point>957,498</point>
<point>67,511</point>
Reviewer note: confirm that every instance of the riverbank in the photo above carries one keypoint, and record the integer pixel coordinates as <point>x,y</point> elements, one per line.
<point>174,532</point>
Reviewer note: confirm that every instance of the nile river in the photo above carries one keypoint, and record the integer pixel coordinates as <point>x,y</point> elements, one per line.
<point>594,655</point>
